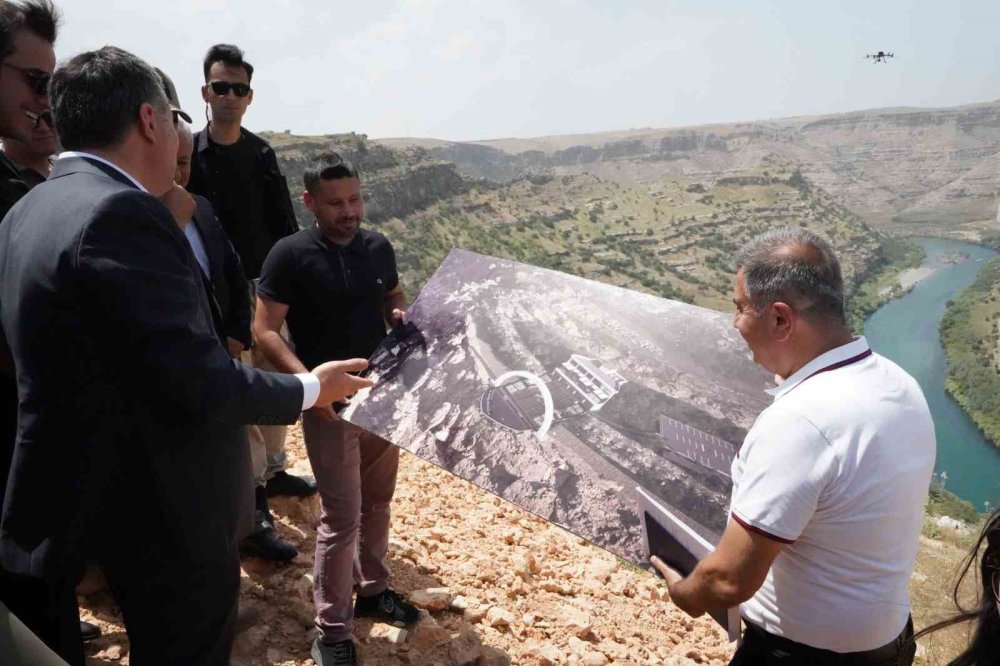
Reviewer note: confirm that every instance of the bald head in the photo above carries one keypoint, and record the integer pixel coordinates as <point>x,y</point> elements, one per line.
<point>795,267</point>
<point>185,145</point>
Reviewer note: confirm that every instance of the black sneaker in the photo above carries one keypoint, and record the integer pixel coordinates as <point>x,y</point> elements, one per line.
<point>267,545</point>
<point>339,654</point>
<point>388,607</point>
<point>89,632</point>
<point>285,484</point>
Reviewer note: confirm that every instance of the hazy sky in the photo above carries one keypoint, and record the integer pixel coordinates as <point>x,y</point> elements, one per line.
<point>467,69</point>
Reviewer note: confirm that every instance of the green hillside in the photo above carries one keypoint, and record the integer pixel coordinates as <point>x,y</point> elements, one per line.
<point>970,331</point>
<point>675,237</point>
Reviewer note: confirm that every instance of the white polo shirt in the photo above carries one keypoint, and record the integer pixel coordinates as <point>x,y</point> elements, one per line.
<point>838,468</point>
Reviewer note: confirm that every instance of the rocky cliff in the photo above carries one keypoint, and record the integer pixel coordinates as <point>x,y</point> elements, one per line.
<point>907,170</point>
<point>397,182</point>
<point>672,235</point>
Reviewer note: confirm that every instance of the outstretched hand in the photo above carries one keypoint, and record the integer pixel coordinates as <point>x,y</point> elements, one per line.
<point>337,384</point>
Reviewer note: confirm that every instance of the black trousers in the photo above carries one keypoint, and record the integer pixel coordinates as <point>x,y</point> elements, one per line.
<point>48,608</point>
<point>761,648</point>
<point>177,612</point>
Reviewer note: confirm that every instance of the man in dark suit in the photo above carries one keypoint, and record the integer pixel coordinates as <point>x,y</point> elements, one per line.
<point>126,393</point>
<point>216,257</point>
<point>229,296</point>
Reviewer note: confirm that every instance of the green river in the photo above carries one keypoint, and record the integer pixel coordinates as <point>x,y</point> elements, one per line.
<point>906,331</point>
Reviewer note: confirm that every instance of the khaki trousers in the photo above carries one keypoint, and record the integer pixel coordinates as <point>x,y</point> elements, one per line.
<point>267,443</point>
<point>356,475</point>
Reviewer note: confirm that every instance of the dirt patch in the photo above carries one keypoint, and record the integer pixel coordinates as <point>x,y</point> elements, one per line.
<point>520,590</point>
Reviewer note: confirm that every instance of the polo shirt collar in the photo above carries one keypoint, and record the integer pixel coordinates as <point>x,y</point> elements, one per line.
<point>356,246</point>
<point>855,350</point>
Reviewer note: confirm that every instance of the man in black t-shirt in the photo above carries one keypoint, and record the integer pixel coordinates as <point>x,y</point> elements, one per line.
<point>238,173</point>
<point>337,286</point>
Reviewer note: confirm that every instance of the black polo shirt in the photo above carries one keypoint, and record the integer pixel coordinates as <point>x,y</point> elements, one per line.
<point>335,294</point>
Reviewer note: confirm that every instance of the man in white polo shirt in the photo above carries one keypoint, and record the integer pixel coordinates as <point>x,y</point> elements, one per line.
<point>830,483</point>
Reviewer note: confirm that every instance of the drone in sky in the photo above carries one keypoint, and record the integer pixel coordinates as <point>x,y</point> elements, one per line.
<point>881,56</point>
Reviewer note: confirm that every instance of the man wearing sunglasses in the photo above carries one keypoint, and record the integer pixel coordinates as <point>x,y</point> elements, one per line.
<point>238,173</point>
<point>27,58</point>
<point>33,158</point>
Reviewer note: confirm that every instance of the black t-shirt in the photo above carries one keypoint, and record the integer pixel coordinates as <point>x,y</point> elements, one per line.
<point>335,294</point>
<point>239,197</point>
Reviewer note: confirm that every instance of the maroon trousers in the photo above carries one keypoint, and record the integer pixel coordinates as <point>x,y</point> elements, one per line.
<point>356,475</point>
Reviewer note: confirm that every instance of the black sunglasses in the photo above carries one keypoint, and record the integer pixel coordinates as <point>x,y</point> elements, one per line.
<point>222,88</point>
<point>36,79</point>
<point>38,118</point>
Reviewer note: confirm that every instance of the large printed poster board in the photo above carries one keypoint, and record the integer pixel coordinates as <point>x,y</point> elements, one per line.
<point>564,396</point>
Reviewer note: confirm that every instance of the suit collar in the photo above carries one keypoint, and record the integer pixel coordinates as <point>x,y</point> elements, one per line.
<point>97,159</point>
<point>201,219</point>
<point>65,166</point>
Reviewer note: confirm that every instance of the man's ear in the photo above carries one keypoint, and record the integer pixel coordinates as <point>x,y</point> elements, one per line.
<point>783,320</point>
<point>250,97</point>
<point>307,199</point>
<point>147,123</point>
<point>206,93</point>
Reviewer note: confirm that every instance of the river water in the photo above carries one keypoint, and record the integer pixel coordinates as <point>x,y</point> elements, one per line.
<point>906,331</point>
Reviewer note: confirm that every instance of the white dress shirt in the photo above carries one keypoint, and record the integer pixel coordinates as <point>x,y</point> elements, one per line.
<point>198,247</point>
<point>310,382</point>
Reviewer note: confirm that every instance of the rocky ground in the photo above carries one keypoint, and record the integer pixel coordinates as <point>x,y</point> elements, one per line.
<point>499,585</point>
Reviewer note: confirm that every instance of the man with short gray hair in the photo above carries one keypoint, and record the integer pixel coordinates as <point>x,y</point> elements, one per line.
<point>126,392</point>
<point>830,483</point>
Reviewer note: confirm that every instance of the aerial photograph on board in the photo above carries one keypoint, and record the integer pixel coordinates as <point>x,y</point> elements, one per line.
<point>562,395</point>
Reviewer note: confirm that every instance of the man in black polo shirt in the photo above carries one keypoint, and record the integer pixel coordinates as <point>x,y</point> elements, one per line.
<point>337,286</point>
<point>238,173</point>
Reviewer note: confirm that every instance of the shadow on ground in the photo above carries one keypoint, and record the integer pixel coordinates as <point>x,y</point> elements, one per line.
<point>276,613</point>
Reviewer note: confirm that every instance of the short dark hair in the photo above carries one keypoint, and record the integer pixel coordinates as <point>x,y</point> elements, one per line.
<point>230,55</point>
<point>794,266</point>
<point>95,97</point>
<point>329,166</point>
<point>39,16</point>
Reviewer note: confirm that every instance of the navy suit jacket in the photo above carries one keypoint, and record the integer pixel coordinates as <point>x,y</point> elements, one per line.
<point>130,411</point>
<point>229,286</point>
